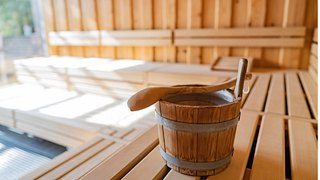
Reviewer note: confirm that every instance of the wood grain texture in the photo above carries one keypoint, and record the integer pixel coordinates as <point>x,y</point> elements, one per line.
<point>61,22</point>
<point>126,158</point>
<point>89,22</point>
<point>303,150</point>
<point>297,105</point>
<point>105,13</point>
<point>276,95</point>
<point>74,23</point>
<point>269,157</point>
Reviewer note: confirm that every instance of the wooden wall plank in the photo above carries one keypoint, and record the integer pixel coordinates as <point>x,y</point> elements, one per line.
<point>74,23</point>
<point>208,21</point>
<point>274,17</point>
<point>106,22</point>
<point>223,14</point>
<point>257,15</point>
<point>164,18</point>
<point>49,17</point>
<point>294,16</point>
<point>143,19</point>
<point>89,21</point>
<point>123,21</point>
<point>240,18</point>
<point>61,22</point>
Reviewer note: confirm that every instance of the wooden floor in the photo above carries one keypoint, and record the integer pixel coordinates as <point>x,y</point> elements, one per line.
<point>276,138</point>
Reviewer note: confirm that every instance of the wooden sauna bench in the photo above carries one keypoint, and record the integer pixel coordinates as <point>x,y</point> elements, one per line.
<point>68,100</point>
<point>276,138</point>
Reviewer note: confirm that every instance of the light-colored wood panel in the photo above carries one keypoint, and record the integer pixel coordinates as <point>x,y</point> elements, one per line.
<point>94,161</point>
<point>314,49</point>
<point>89,22</point>
<point>303,150</point>
<point>315,35</point>
<point>136,42</point>
<point>313,62</point>
<point>128,34</point>
<point>269,157</point>
<point>241,42</point>
<point>294,16</point>
<point>276,95</point>
<point>123,21</point>
<point>74,162</point>
<point>61,22</point>
<point>48,135</point>
<point>118,165</point>
<point>105,15</point>
<point>241,32</point>
<point>257,96</point>
<point>62,158</point>
<point>152,166</point>
<point>74,38</point>
<point>296,102</point>
<point>208,21</point>
<point>310,87</point>
<point>49,16</point>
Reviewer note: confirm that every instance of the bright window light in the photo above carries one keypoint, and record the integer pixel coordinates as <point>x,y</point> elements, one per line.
<point>78,106</point>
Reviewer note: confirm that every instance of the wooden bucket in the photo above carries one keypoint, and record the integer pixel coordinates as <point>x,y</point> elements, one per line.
<point>197,130</point>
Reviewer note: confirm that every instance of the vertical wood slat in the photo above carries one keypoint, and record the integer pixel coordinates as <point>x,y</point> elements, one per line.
<point>61,22</point>
<point>89,21</point>
<point>172,14</point>
<point>49,17</point>
<point>74,23</point>
<point>143,19</point>
<point>164,12</point>
<point>105,13</point>
<point>294,16</point>
<point>223,14</point>
<point>275,11</point>
<point>123,21</point>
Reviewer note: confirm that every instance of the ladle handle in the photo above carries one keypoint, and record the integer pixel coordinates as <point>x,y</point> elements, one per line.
<point>242,69</point>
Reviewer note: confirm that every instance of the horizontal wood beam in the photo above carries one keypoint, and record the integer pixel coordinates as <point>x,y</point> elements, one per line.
<point>136,42</point>
<point>241,32</point>
<point>241,42</point>
<point>74,38</point>
<point>137,34</point>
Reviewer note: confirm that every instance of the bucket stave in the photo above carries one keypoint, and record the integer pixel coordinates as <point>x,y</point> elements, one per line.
<point>197,131</point>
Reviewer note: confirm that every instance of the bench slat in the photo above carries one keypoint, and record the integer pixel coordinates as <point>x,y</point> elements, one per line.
<point>119,164</point>
<point>258,93</point>
<point>314,49</point>
<point>243,141</point>
<point>62,158</point>
<point>93,162</point>
<point>48,135</point>
<point>276,97</point>
<point>297,105</point>
<point>269,158</point>
<point>314,62</point>
<point>311,91</point>
<point>151,167</point>
<point>74,162</point>
<point>303,150</point>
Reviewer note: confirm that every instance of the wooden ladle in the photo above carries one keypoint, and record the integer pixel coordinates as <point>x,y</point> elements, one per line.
<point>149,96</point>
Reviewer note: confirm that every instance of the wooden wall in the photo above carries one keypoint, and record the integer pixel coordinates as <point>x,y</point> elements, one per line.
<point>83,15</point>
